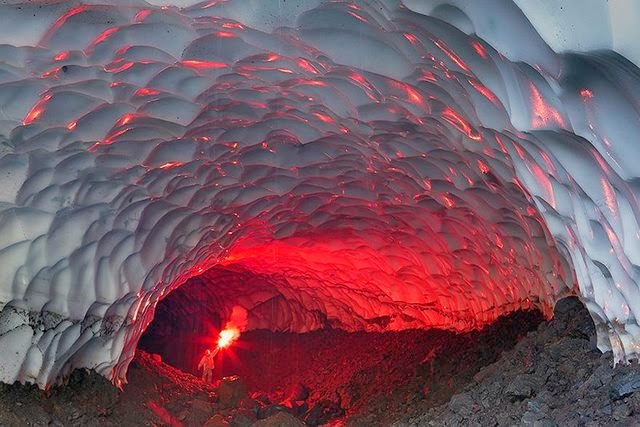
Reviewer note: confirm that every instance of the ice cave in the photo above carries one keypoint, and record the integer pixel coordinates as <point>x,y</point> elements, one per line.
<point>362,167</point>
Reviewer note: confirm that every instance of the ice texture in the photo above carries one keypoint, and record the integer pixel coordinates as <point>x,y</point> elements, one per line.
<point>366,165</point>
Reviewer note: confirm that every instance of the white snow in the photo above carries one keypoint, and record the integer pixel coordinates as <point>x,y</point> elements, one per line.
<point>371,166</point>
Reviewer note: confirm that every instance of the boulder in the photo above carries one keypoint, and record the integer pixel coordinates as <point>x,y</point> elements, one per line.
<point>625,384</point>
<point>269,410</point>
<point>299,408</point>
<point>241,420</point>
<point>322,412</point>
<point>231,391</point>
<point>298,392</point>
<point>216,421</point>
<point>521,387</point>
<point>262,398</point>
<point>280,419</point>
<point>461,404</point>
<point>199,412</point>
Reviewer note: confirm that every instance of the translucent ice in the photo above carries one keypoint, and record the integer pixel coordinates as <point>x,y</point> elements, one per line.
<point>365,165</point>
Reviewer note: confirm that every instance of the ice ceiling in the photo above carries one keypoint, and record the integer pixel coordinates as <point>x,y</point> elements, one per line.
<point>365,165</point>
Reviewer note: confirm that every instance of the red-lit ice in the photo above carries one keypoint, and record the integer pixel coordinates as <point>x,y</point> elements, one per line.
<point>383,168</point>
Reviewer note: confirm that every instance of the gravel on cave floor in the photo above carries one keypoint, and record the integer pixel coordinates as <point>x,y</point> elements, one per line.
<point>518,371</point>
<point>553,377</point>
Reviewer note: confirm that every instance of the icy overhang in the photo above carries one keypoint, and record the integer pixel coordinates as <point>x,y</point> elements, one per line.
<point>371,167</point>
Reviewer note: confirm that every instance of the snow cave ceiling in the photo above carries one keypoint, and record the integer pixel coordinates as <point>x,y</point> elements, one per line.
<point>369,165</point>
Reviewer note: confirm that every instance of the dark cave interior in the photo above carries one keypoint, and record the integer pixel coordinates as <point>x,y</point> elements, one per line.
<point>362,372</point>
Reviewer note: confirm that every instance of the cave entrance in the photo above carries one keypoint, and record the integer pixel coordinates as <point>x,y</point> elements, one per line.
<point>357,371</point>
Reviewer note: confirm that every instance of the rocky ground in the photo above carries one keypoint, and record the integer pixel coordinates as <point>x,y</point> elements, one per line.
<point>553,377</point>
<point>516,372</point>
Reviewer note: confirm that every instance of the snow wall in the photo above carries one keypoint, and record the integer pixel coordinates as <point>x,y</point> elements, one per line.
<point>368,165</point>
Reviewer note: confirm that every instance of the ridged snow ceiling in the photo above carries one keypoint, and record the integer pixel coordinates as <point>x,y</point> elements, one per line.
<point>367,166</point>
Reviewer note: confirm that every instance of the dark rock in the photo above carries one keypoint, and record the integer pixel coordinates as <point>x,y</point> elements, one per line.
<point>262,398</point>
<point>634,403</point>
<point>567,348</point>
<point>231,391</point>
<point>241,420</point>
<point>298,392</point>
<point>299,408</point>
<point>601,376</point>
<point>625,384</point>
<point>280,419</point>
<point>505,419</point>
<point>323,411</point>
<point>545,422</point>
<point>529,418</point>
<point>249,404</point>
<point>538,413</point>
<point>521,387</point>
<point>621,411</point>
<point>572,318</point>
<point>268,411</point>
<point>216,421</point>
<point>199,412</point>
<point>485,373</point>
<point>461,404</point>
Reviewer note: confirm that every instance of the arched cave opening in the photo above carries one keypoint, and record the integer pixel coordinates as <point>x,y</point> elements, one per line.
<point>356,371</point>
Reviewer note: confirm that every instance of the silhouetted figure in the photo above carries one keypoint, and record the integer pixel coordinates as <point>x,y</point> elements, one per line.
<point>206,364</point>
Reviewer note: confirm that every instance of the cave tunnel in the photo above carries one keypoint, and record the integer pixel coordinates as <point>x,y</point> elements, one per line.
<point>342,172</point>
<point>285,347</point>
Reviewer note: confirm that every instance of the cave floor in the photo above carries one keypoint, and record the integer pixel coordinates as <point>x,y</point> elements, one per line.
<point>518,371</point>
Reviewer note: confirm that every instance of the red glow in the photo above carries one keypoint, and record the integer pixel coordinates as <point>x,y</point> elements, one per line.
<point>355,15</point>
<point>453,117</point>
<point>324,117</point>
<point>102,37</point>
<point>63,19</point>
<point>212,3</point>
<point>126,119</point>
<point>411,94</point>
<point>483,167</point>
<point>314,83</point>
<point>72,125</point>
<point>479,48</point>
<point>227,337</point>
<point>62,56</point>
<point>272,57</point>
<point>118,66</point>
<point>236,25</point>
<point>412,39</point>
<point>609,195</point>
<point>485,92</point>
<point>111,137</point>
<point>414,96</point>
<point>306,65</point>
<point>545,182</point>
<point>171,165</point>
<point>543,114</point>
<point>427,76</point>
<point>145,91</point>
<point>586,93</point>
<point>55,73</point>
<point>142,15</point>
<point>225,34</point>
<point>37,110</point>
<point>359,78</point>
<point>452,55</point>
<point>203,65</point>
